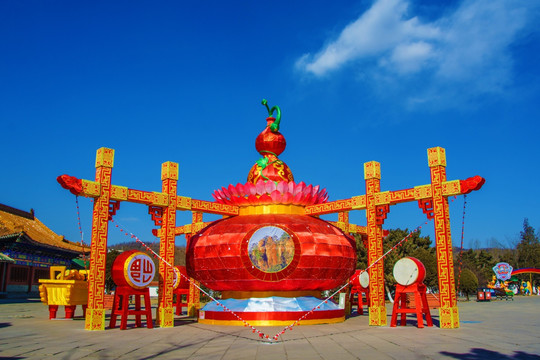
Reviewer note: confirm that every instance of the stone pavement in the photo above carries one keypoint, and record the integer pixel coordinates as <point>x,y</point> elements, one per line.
<point>489,330</point>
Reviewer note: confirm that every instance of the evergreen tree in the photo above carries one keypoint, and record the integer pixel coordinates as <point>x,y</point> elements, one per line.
<point>361,253</point>
<point>468,282</point>
<point>528,251</point>
<point>485,263</point>
<point>480,262</point>
<point>428,257</point>
<point>528,248</point>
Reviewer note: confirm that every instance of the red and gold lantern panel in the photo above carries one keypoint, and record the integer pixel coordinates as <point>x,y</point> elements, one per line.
<point>271,252</point>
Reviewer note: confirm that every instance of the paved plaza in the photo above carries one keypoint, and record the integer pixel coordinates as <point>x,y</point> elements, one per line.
<point>489,330</point>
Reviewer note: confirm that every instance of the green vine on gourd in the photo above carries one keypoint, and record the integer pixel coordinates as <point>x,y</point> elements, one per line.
<point>264,162</point>
<point>274,127</point>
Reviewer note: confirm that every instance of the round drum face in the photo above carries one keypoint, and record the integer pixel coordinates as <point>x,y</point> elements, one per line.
<point>176,278</point>
<point>364,279</point>
<point>409,270</point>
<point>271,252</point>
<point>139,270</point>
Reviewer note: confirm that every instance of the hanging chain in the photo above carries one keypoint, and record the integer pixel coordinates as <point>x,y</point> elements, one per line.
<point>81,232</point>
<point>462,237</point>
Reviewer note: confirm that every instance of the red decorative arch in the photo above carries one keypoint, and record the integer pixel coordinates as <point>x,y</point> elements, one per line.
<point>526,271</point>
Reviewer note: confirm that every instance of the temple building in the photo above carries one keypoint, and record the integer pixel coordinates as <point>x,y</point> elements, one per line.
<point>27,249</point>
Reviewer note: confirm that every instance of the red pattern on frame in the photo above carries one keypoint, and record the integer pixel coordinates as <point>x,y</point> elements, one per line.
<point>427,207</point>
<point>157,214</point>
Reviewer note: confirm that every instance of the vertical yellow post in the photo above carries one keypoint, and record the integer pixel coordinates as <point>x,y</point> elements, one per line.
<point>194,302</point>
<point>95,314</point>
<point>194,296</point>
<point>448,312</point>
<point>343,221</point>
<point>377,308</point>
<point>343,224</point>
<point>169,178</point>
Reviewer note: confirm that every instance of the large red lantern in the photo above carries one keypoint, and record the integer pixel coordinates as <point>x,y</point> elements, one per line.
<point>271,250</point>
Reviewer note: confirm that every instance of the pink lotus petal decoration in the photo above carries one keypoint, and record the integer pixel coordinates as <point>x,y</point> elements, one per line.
<point>260,186</point>
<point>276,196</point>
<point>288,198</point>
<point>291,187</point>
<point>269,192</point>
<point>299,188</point>
<point>240,189</point>
<point>307,190</point>
<point>282,187</point>
<point>270,187</point>
<point>232,190</point>
<point>253,199</point>
<point>220,194</point>
<point>250,189</point>
<point>265,199</point>
<point>226,193</point>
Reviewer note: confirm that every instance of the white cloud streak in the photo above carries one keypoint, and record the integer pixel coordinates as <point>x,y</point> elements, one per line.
<point>469,44</point>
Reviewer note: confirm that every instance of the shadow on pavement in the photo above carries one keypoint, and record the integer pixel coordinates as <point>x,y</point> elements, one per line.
<point>411,320</point>
<point>18,300</point>
<point>184,321</point>
<point>479,354</point>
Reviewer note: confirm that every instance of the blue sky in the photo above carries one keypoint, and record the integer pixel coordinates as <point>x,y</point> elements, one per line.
<point>356,81</point>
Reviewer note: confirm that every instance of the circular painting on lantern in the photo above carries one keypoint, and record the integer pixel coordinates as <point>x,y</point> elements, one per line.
<point>270,252</point>
<point>271,249</point>
<point>139,270</point>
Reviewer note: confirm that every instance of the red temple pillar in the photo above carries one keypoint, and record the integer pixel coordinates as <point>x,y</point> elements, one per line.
<point>377,309</point>
<point>95,313</point>
<point>448,312</point>
<point>169,178</point>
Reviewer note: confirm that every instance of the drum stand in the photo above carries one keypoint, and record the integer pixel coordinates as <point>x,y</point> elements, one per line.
<point>420,305</point>
<point>179,304</point>
<point>360,301</point>
<point>121,307</point>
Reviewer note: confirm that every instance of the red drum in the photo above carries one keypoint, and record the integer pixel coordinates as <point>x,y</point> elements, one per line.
<point>361,279</point>
<point>409,270</point>
<point>133,268</point>
<point>179,281</point>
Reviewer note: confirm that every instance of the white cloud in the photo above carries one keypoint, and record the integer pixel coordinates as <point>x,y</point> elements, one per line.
<point>467,46</point>
<point>476,40</point>
<point>408,58</point>
<point>379,29</point>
